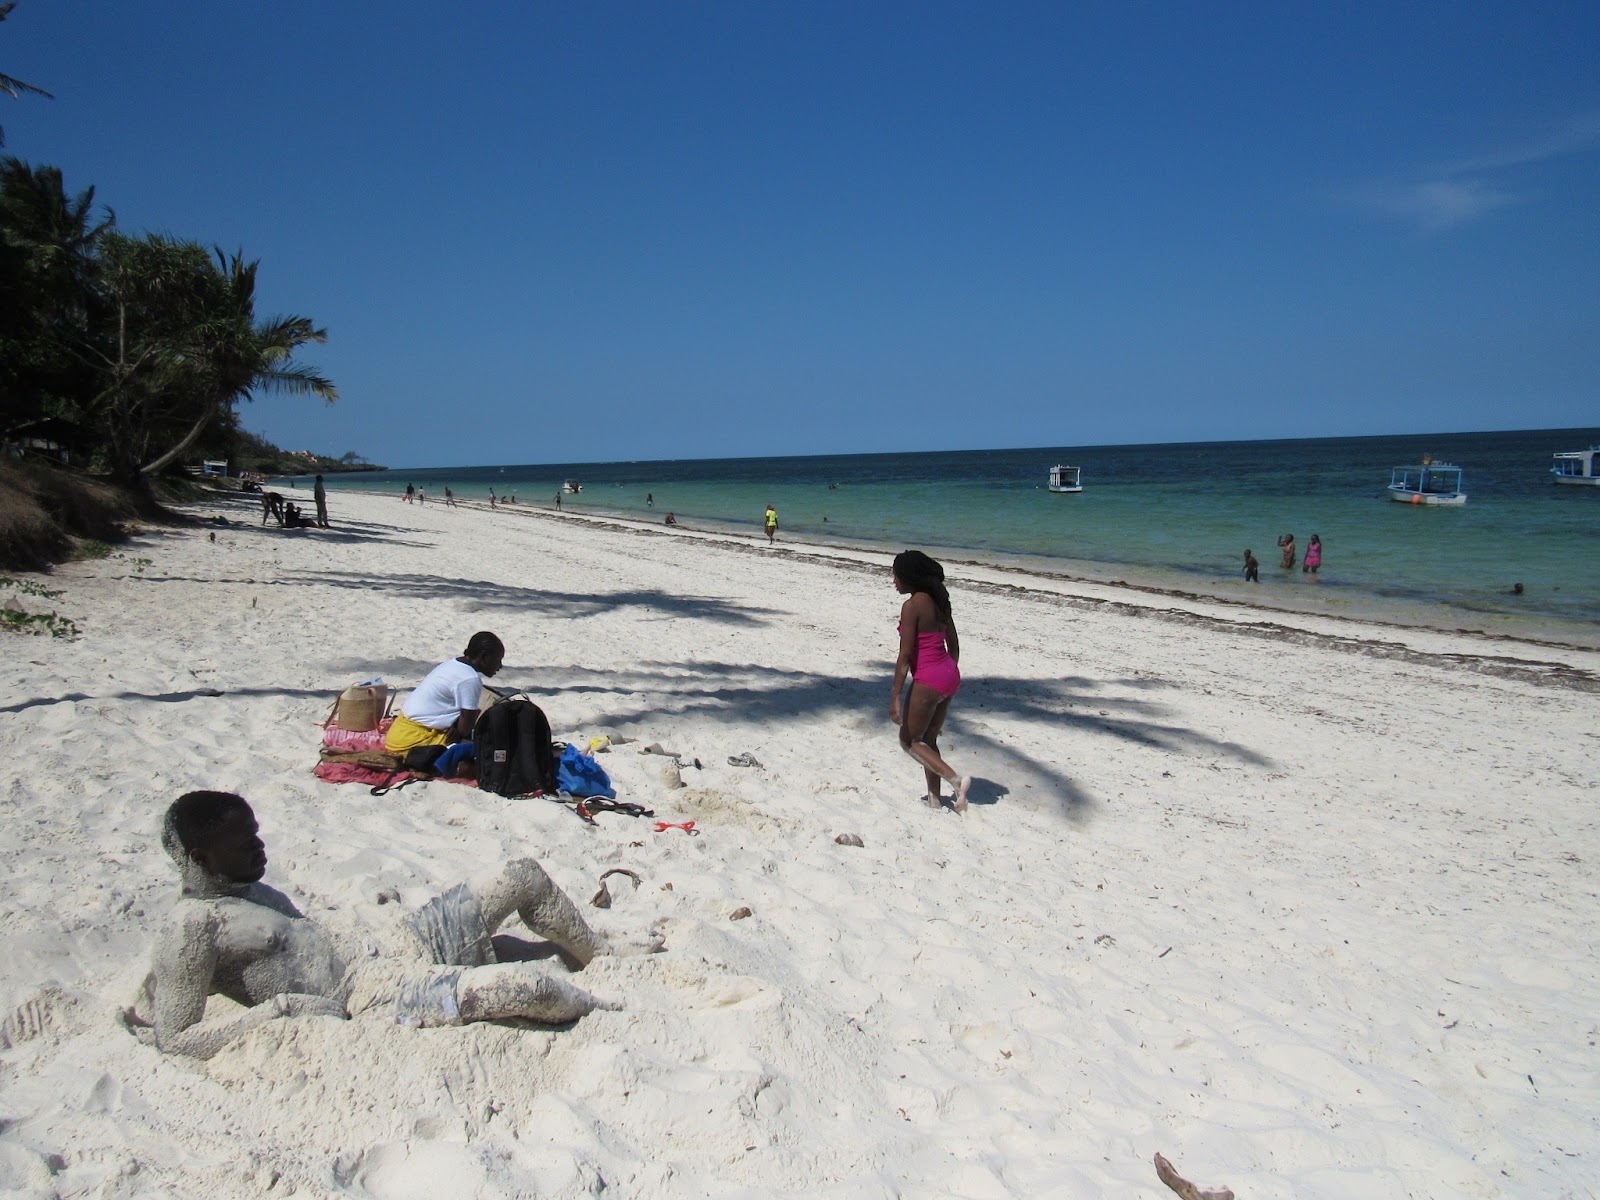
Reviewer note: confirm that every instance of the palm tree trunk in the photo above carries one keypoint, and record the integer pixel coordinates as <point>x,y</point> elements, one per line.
<point>189,438</point>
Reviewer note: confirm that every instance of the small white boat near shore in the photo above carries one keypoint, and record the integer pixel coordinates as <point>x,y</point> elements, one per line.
<point>1066,479</point>
<point>1578,467</point>
<point>1427,483</point>
<point>572,487</point>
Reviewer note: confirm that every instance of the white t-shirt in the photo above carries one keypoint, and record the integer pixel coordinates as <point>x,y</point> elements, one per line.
<point>439,699</point>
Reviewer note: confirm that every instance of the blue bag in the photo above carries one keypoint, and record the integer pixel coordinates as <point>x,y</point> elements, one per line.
<point>577,774</point>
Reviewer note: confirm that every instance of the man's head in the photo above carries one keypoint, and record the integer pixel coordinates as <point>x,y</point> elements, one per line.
<point>215,832</point>
<point>485,652</point>
<point>319,478</point>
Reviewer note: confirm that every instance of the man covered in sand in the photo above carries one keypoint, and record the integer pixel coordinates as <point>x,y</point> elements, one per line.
<point>231,934</point>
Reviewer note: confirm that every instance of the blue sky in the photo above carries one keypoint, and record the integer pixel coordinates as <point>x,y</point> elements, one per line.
<point>543,232</point>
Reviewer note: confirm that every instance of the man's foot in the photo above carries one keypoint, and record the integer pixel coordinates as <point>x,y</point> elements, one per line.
<point>962,785</point>
<point>934,801</point>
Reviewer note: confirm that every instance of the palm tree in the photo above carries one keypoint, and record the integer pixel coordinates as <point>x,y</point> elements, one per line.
<point>15,87</point>
<point>245,356</point>
<point>48,246</point>
<point>182,347</point>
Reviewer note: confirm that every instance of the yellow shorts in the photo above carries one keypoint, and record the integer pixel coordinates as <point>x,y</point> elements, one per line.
<point>406,733</point>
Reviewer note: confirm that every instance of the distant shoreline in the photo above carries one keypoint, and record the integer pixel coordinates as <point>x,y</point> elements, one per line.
<point>1137,586</point>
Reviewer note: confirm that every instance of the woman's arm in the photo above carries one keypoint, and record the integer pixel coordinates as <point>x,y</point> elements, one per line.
<point>952,643</point>
<point>910,621</point>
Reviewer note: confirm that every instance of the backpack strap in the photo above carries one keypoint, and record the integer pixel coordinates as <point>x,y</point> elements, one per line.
<point>389,784</point>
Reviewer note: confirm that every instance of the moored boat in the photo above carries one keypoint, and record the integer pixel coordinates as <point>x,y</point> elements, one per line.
<point>1578,467</point>
<point>1066,479</point>
<point>1427,483</point>
<point>572,487</point>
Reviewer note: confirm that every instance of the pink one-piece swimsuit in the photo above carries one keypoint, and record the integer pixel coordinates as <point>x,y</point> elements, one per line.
<point>933,666</point>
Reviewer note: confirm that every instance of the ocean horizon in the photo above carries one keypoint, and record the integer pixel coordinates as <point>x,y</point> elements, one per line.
<point>1169,516</point>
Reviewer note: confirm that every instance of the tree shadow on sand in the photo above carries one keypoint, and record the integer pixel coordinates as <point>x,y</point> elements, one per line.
<point>482,595</point>
<point>757,694</point>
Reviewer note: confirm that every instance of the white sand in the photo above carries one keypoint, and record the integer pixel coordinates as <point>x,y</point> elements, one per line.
<point>1309,907</point>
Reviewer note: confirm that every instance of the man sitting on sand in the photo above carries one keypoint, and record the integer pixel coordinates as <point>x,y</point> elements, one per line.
<point>230,934</point>
<point>444,708</point>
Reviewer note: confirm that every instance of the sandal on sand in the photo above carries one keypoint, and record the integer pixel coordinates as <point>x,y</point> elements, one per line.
<point>743,760</point>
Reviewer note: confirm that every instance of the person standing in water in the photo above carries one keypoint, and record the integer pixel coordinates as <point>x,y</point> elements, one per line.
<point>929,653</point>
<point>1313,556</point>
<point>1287,542</point>
<point>1252,568</point>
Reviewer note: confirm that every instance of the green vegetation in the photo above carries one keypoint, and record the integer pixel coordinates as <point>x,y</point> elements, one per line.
<point>256,454</point>
<point>14,620</point>
<point>125,356</point>
<point>132,353</point>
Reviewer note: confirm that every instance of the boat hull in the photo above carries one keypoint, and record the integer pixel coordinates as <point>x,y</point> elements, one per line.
<point>1403,497</point>
<point>1578,480</point>
<point>1067,491</point>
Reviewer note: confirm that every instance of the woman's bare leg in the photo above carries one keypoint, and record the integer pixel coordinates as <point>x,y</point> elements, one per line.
<point>925,711</point>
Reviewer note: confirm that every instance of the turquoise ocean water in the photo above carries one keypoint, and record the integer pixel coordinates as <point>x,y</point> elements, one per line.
<point>1175,516</point>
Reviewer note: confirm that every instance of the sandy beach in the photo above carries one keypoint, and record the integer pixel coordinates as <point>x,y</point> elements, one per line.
<point>1307,905</point>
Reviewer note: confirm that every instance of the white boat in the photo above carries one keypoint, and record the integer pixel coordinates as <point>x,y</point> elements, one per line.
<point>1427,483</point>
<point>572,487</point>
<point>1578,467</point>
<point>1066,479</point>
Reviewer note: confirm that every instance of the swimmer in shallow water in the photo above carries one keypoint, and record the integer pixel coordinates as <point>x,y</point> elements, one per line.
<point>232,935</point>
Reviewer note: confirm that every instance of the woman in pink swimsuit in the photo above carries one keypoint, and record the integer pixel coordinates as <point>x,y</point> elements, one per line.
<point>929,650</point>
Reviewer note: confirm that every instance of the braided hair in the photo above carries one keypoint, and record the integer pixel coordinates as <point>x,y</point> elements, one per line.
<point>922,574</point>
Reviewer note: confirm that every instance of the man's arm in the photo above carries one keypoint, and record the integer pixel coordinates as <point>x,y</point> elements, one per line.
<point>185,964</point>
<point>461,731</point>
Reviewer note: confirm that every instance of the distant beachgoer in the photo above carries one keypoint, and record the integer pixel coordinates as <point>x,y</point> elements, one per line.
<point>229,934</point>
<point>649,499</point>
<point>1287,542</point>
<point>929,653</point>
<point>411,493</point>
<point>1252,568</point>
<point>444,708</point>
<point>492,502</point>
<point>672,519</point>
<point>449,497</point>
<point>513,498</point>
<point>772,524</point>
<point>1516,589</point>
<point>558,501</point>
<point>1313,555</point>
<point>422,495</point>
<point>320,495</point>
<point>272,506</point>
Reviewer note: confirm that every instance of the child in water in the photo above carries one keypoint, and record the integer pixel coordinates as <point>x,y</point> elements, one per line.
<point>1252,568</point>
<point>1313,556</point>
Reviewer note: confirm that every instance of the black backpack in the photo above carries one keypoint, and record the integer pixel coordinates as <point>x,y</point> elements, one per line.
<point>511,743</point>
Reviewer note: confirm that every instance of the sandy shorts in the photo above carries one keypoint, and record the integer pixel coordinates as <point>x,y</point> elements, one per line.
<point>448,935</point>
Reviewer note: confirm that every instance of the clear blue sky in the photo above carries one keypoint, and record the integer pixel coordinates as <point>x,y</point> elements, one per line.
<point>570,231</point>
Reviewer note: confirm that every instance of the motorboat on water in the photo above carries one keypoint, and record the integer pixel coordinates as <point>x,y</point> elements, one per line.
<point>1578,467</point>
<point>1066,479</point>
<point>1427,483</point>
<point>572,487</point>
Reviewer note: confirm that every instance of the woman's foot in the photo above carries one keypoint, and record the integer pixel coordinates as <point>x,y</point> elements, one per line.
<point>934,801</point>
<point>962,784</point>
